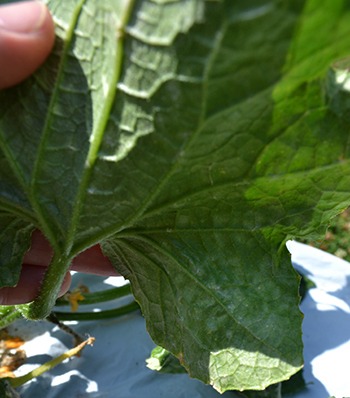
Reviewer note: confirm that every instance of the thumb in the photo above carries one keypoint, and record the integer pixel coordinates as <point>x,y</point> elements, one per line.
<point>26,38</point>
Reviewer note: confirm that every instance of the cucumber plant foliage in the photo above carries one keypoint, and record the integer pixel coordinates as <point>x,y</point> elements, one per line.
<point>190,139</point>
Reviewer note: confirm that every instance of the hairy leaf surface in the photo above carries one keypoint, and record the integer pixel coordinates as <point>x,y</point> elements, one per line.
<point>190,139</point>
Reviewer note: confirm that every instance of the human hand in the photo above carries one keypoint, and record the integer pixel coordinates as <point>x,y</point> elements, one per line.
<point>26,38</point>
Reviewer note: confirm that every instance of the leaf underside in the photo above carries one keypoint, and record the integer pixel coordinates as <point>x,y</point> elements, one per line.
<point>190,139</point>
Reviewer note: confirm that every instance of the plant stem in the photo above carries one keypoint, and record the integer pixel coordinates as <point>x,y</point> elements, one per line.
<point>99,297</point>
<point>42,306</point>
<point>90,316</point>
<point>18,381</point>
<point>77,338</point>
<point>8,314</point>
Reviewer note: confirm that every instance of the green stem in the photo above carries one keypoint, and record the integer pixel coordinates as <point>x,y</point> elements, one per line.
<point>18,381</point>
<point>42,306</point>
<point>91,316</point>
<point>8,314</point>
<point>99,297</point>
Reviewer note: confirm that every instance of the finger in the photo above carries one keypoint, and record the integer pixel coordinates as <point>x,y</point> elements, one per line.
<point>28,286</point>
<point>91,261</point>
<point>40,252</point>
<point>26,38</point>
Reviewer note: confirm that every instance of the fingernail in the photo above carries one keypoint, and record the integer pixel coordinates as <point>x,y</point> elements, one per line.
<point>25,17</point>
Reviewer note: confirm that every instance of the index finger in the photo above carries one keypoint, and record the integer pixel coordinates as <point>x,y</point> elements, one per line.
<point>91,261</point>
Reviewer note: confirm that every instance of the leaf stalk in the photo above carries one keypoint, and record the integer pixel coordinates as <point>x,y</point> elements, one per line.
<point>18,381</point>
<point>41,307</point>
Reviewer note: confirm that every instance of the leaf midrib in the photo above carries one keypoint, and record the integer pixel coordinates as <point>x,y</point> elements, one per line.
<point>98,132</point>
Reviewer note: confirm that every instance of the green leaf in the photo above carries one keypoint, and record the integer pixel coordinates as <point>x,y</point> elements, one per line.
<point>15,241</point>
<point>163,361</point>
<point>190,139</point>
<point>273,391</point>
